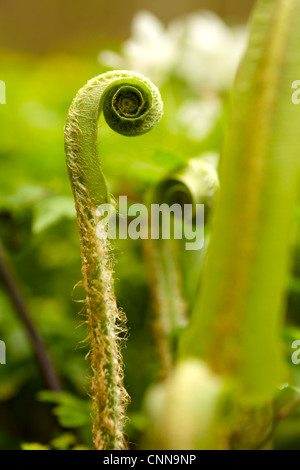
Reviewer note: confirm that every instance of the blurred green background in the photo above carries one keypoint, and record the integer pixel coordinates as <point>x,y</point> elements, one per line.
<point>48,51</point>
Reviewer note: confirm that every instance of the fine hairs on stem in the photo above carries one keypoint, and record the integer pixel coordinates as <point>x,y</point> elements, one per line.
<point>168,303</point>
<point>132,106</point>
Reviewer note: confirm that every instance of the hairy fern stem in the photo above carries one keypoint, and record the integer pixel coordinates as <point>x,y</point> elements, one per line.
<point>131,106</point>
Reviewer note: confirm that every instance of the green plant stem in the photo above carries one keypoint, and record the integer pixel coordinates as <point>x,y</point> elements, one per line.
<point>195,183</point>
<point>131,106</point>
<point>169,305</point>
<point>236,320</point>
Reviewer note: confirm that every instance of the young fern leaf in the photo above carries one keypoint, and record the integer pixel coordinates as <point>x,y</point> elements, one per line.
<point>195,183</point>
<point>131,105</point>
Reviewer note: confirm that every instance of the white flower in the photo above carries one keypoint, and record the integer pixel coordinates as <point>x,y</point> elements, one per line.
<point>211,51</point>
<point>198,117</point>
<point>111,59</point>
<point>199,48</point>
<point>152,49</point>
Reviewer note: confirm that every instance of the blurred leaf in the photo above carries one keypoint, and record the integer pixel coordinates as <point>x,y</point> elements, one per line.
<point>70,410</point>
<point>50,211</point>
<point>34,446</point>
<point>64,441</point>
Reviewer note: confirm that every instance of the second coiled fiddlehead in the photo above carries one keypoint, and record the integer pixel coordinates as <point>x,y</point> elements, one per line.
<point>170,285</point>
<point>131,105</point>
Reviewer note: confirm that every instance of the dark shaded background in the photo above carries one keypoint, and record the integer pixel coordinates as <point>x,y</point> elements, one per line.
<point>70,25</point>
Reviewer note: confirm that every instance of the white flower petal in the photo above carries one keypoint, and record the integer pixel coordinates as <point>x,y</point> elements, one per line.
<point>111,59</point>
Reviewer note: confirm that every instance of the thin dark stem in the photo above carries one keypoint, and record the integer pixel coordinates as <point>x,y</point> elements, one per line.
<point>43,359</point>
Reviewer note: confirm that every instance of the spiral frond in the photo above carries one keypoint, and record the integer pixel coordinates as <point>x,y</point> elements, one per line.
<point>131,105</point>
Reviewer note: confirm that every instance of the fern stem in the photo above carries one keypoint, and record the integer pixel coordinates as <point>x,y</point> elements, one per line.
<point>131,106</point>
<point>194,183</point>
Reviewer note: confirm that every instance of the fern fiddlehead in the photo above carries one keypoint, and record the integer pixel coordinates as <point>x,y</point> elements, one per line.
<point>132,106</point>
<point>192,184</point>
